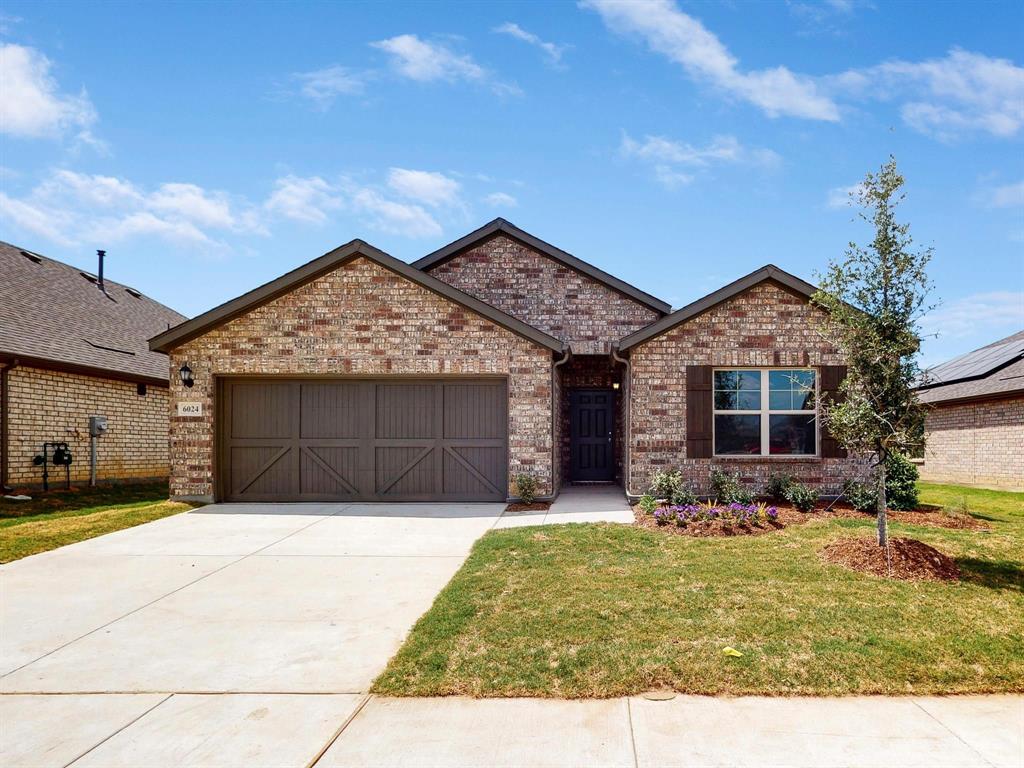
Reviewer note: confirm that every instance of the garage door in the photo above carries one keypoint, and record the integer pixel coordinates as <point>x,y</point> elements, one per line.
<point>360,440</point>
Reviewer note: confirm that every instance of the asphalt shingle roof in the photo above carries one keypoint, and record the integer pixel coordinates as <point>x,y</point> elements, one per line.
<point>49,311</point>
<point>995,369</point>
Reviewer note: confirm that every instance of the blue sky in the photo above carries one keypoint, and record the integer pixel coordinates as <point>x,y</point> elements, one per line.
<point>211,147</point>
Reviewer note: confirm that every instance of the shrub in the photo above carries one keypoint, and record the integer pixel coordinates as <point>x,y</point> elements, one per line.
<point>900,482</point>
<point>648,504</point>
<point>683,495</point>
<point>862,496</point>
<point>664,484</point>
<point>526,487</point>
<point>728,489</point>
<point>778,485</point>
<point>801,496</point>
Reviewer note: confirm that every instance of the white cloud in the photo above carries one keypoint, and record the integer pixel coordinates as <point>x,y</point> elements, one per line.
<point>843,197</point>
<point>501,200</point>
<point>427,62</point>
<point>427,187</point>
<point>553,51</point>
<point>322,86</point>
<point>1005,196</point>
<point>309,199</point>
<point>946,98</point>
<point>981,314</point>
<point>33,106</point>
<point>70,207</point>
<point>683,39</point>
<point>669,157</point>
<point>394,217</point>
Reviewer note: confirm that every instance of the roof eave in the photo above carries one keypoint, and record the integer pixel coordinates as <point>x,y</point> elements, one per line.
<point>506,227</point>
<point>197,326</point>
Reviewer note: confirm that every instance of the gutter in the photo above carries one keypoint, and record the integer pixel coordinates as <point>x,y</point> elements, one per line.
<point>627,418</point>
<point>5,398</point>
<point>556,413</point>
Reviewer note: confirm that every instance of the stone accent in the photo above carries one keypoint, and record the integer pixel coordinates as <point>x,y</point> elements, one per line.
<point>976,443</point>
<point>545,294</point>
<point>361,320</point>
<point>764,326</point>
<point>589,372</point>
<point>54,406</point>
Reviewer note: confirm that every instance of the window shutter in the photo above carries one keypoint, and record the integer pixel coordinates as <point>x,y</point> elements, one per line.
<point>699,411</point>
<point>831,376</point>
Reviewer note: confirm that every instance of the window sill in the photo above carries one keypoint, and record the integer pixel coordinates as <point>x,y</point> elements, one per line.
<point>766,458</point>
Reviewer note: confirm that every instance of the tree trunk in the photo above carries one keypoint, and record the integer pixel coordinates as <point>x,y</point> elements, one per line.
<point>880,508</point>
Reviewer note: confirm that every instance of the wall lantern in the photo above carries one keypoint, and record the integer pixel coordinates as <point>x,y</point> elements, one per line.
<point>186,375</point>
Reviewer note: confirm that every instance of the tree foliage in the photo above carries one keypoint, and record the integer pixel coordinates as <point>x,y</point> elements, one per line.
<point>874,298</point>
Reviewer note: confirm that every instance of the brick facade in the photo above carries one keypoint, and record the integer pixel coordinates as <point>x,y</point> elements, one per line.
<point>976,443</point>
<point>361,320</point>
<point>546,294</point>
<point>54,406</point>
<point>764,326</point>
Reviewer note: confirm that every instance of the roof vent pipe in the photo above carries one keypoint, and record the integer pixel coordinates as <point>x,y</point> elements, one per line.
<point>102,255</point>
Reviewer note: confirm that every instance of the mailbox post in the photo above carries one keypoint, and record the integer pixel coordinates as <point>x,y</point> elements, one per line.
<point>97,428</point>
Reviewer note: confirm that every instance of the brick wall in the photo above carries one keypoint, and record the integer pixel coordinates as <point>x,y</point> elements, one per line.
<point>546,294</point>
<point>978,443</point>
<point>764,326</point>
<point>52,406</point>
<point>362,319</point>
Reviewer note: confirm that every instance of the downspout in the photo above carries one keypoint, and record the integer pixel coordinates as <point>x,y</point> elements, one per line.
<point>627,418</point>
<point>556,413</point>
<point>5,399</point>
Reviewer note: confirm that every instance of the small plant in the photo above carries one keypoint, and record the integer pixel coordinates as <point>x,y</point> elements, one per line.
<point>728,489</point>
<point>900,482</point>
<point>778,484</point>
<point>648,504</point>
<point>663,515</point>
<point>683,495</point>
<point>862,496</point>
<point>741,514</point>
<point>526,487</point>
<point>664,484</point>
<point>801,496</point>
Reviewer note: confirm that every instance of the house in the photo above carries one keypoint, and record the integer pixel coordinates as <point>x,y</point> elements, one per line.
<point>974,427</point>
<point>358,376</point>
<point>74,345</point>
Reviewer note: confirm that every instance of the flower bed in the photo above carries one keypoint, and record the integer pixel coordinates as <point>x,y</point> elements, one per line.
<point>710,519</point>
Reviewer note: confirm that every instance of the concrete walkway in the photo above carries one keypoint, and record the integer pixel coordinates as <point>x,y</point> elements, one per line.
<point>248,635</point>
<point>578,504</point>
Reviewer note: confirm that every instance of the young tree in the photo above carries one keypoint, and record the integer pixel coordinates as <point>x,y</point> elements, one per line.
<point>873,299</point>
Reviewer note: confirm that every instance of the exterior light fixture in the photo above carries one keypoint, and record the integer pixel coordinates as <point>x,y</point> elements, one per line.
<point>615,385</point>
<point>186,375</point>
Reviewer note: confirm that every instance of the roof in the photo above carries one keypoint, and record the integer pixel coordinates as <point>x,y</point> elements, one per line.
<point>53,315</point>
<point>667,323</point>
<point>994,370</point>
<point>201,324</point>
<point>502,226</point>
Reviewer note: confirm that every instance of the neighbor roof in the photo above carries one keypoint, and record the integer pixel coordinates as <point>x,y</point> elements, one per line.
<point>53,314</point>
<point>667,323</point>
<point>199,325</point>
<point>500,225</point>
<point>994,370</point>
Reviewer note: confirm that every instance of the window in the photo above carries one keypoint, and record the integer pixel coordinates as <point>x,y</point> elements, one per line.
<point>765,412</point>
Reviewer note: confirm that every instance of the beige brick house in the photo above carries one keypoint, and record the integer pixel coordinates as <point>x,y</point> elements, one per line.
<point>974,427</point>
<point>72,347</point>
<point>358,376</point>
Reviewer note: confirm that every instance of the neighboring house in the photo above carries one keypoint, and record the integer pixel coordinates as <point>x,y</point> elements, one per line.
<point>974,428</point>
<point>71,348</point>
<point>358,376</point>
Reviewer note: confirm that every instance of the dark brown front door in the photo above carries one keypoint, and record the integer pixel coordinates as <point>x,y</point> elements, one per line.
<point>363,440</point>
<point>592,434</point>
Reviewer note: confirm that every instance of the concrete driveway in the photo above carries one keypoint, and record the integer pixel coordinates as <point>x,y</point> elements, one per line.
<point>298,607</point>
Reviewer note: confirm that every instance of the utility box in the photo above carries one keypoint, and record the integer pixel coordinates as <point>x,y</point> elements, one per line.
<point>97,426</point>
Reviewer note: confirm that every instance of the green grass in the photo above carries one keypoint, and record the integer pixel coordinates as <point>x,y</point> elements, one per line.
<point>57,518</point>
<point>606,610</point>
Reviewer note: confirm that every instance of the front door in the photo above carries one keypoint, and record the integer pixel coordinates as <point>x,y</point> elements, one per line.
<point>592,434</point>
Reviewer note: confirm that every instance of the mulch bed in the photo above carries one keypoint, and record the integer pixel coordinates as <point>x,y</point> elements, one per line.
<point>908,559</point>
<point>537,506</point>
<point>708,528</point>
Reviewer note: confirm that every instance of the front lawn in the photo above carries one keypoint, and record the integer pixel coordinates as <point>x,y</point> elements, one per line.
<point>608,610</point>
<point>57,518</point>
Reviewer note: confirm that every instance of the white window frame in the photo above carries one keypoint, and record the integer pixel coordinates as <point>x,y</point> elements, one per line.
<point>765,414</point>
